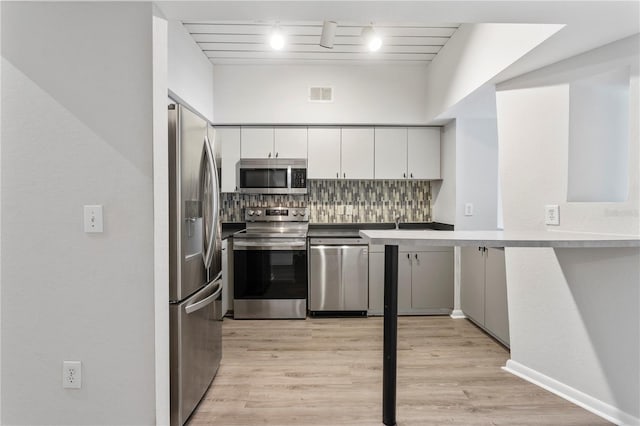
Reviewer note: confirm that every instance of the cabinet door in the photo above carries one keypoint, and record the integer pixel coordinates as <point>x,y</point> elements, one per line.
<point>496,316</point>
<point>390,153</point>
<point>290,142</point>
<point>405,263</point>
<point>423,153</point>
<point>376,283</point>
<point>472,283</point>
<point>228,139</point>
<point>324,153</point>
<point>256,142</point>
<point>357,153</point>
<point>432,280</point>
<point>355,272</point>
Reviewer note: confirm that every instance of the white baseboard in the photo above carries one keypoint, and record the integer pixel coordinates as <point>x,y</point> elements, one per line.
<point>600,408</point>
<point>457,314</point>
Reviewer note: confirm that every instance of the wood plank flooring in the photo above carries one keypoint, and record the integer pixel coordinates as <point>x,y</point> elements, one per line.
<point>329,372</point>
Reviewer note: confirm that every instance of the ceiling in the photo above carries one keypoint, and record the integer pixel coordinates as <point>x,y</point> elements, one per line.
<point>248,42</point>
<point>588,24</point>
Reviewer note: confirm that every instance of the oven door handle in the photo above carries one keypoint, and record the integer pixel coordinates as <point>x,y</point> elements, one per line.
<point>255,245</point>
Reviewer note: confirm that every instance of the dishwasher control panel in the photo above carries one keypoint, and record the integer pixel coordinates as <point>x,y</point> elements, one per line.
<point>333,241</point>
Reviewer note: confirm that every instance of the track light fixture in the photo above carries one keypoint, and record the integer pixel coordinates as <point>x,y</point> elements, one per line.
<point>371,39</point>
<point>328,34</point>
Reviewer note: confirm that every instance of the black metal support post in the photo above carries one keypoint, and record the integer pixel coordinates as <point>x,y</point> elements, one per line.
<point>390,335</point>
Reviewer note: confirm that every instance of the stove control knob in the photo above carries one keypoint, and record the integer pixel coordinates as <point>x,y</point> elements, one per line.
<point>259,212</point>
<point>295,213</point>
<point>251,212</point>
<point>301,212</point>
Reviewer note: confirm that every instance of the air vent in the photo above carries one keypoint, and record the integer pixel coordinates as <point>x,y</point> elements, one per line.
<point>320,94</point>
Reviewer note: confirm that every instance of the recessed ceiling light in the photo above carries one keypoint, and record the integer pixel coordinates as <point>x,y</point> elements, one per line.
<point>277,39</point>
<point>372,40</point>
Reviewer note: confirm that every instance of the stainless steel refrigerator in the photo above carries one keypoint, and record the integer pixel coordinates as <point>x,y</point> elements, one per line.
<point>195,273</point>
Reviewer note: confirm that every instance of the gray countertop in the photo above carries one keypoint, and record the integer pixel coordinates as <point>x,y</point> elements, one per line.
<point>343,230</point>
<point>558,239</point>
<point>352,230</point>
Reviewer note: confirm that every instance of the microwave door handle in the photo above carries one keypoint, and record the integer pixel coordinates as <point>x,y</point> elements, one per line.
<point>208,254</point>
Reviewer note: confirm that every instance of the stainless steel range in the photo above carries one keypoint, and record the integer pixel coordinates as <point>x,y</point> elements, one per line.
<point>270,264</point>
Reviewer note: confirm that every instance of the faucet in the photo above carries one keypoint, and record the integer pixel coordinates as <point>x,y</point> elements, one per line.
<point>397,220</point>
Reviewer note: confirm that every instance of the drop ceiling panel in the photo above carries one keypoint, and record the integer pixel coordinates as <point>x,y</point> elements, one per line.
<point>243,42</point>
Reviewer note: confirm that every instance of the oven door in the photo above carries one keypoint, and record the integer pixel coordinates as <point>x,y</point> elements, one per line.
<point>270,278</point>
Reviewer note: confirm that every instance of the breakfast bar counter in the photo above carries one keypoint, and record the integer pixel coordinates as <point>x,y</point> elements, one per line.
<point>421,238</point>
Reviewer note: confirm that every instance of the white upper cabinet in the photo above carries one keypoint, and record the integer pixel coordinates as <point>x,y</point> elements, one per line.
<point>269,142</point>
<point>357,153</point>
<point>324,153</point>
<point>349,152</point>
<point>390,153</point>
<point>228,138</point>
<point>290,142</point>
<point>257,142</point>
<point>423,153</point>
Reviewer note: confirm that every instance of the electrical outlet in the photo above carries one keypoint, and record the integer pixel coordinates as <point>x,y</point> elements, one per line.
<point>71,374</point>
<point>93,218</point>
<point>468,209</point>
<point>552,214</point>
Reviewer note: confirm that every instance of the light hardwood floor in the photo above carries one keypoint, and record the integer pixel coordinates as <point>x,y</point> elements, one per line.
<point>329,372</point>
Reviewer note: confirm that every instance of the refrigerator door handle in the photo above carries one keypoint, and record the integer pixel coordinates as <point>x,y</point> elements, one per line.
<point>209,249</point>
<point>207,300</point>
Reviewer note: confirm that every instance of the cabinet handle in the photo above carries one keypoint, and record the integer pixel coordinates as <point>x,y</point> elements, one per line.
<point>404,175</point>
<point>269,156</point>
<point>345,175</point>
<point>416,256</point>
<point>276,155</point>
<point>337,175</point>
<point>411,175</point>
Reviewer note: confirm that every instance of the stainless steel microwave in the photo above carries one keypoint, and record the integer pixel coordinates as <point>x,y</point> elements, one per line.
<point>272,176</point>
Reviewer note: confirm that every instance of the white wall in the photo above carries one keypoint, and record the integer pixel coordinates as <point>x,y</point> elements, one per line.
<point>161,216</point>
<point>380,94</point>
<point>190,72</point>
<point>77,129</point>
<point>574,314</point>
<point>443,192</point>
<point>476,173</point>
<point>469,166</point>
<point>474,55</point>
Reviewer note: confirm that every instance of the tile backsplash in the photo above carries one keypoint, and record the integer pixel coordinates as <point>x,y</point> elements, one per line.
<point>345,201</point>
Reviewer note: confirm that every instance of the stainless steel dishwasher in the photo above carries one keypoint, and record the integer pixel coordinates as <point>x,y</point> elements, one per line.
<point>338,276</point>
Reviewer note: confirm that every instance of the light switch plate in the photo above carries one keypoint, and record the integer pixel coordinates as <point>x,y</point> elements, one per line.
<point>93,219</point>
<point>468,209</point>
<point>552,214</point>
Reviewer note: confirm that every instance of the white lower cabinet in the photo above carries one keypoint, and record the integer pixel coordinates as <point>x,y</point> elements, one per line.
<point>483,290</point>
<point>425,281</point>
